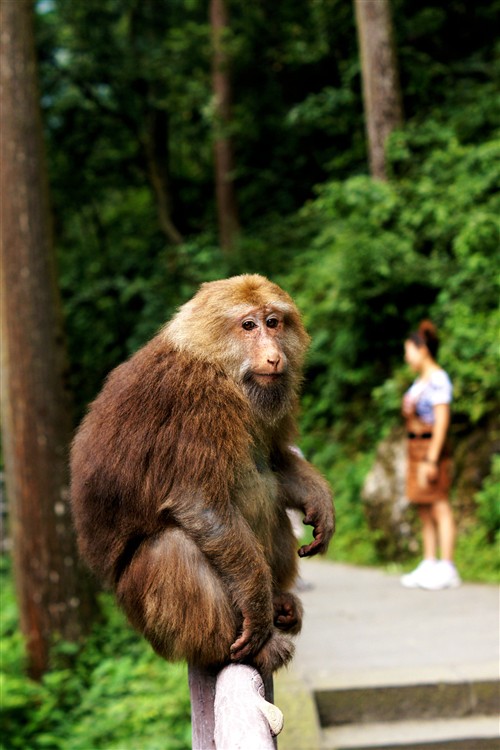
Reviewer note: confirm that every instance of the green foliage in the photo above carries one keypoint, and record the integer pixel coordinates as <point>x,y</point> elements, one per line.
<point>112,694</point>
<point>488,505</point>
<point>116,297</point>
<point>352,541</point>
<point>114,71</point>
<point>422,244</point>
<point>365,260</point>
<point>457,215</point>
<point>476,556</point>
<point>110,68</point>
<point>380,257</point>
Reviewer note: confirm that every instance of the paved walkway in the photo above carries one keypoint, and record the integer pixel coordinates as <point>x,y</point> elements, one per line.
<point>362,629</point>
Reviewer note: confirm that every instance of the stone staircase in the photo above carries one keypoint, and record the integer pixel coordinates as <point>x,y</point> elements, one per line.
<point>381,667</point>
<point>446,716</point>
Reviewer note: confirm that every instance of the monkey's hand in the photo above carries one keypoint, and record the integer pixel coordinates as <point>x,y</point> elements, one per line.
<point>322,519</point>
<point>250,641</point>
<point>287,612</point>
<point>303,487</point>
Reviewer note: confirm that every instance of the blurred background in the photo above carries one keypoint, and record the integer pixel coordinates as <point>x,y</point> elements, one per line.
<point>188,141</point>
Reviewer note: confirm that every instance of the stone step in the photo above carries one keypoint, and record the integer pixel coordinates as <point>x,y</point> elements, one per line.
<point>473,733</point>
<point>386,703</point>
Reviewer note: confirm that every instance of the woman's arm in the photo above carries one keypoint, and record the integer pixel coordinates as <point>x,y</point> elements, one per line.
<point>441,424</point>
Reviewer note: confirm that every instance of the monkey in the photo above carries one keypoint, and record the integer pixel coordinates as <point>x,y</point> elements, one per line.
<point>181,474</point>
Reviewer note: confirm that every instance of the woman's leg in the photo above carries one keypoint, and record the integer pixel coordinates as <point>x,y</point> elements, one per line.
<point>418,577</point>
<point>445,524</point>
<point>444,574</point>
<point>429,535</point>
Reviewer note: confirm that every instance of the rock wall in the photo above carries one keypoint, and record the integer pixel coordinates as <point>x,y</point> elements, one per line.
<point>385,501</point>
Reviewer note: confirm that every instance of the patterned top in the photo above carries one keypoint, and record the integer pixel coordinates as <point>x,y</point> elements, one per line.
<point>426,394</point>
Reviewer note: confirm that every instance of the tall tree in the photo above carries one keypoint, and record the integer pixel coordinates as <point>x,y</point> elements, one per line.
<point>154,140</point>
<point>152,125</point>
<point>55,597</point>
<point>227,208</point>
<point>381,87</point>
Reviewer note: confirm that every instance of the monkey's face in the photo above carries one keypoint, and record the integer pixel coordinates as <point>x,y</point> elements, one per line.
<point>251,329</point>
<point>263,364</point>
<point>260,332</point>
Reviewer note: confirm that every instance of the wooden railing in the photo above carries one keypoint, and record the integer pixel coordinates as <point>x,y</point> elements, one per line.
<point>232,709</point>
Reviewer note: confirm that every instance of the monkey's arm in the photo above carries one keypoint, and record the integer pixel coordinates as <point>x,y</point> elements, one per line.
<point>302,487</point>
<point>224,537</point>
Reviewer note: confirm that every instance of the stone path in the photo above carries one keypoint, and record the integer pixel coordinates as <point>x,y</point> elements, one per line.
<point>373,656</point>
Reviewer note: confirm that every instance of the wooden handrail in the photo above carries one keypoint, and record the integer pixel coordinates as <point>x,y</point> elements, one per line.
<point>232,709</point>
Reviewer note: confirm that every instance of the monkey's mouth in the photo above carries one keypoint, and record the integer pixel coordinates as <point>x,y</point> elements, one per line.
<point>251,377</point>
<point>270,377</point>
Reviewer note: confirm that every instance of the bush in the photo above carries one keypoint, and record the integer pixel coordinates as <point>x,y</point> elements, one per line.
<point>381,256</point>
<point>113,694</point>
<point>390,253</point>
<point>488,507</point>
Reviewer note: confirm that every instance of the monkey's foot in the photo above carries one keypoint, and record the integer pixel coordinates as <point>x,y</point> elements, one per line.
<point>287,612</point>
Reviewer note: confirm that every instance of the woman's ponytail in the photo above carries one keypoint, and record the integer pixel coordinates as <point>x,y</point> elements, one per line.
<point>426,335</point>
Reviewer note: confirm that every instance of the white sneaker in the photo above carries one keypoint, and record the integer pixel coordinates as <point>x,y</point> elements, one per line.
<point>423,571</point>
<point>444,575</point>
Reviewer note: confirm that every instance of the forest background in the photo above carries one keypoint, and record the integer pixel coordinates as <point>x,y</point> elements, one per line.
<point>130,123</point>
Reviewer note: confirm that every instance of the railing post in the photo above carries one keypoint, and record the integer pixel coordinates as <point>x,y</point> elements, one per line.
<point>232,709</point>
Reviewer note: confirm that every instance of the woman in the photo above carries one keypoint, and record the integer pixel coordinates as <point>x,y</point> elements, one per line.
<point>426,408</point>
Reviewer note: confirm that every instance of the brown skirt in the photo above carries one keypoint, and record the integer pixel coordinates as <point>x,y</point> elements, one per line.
<point>418,490</point>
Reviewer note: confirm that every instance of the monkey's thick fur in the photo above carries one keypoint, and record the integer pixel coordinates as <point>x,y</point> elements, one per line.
<point>181,476</point>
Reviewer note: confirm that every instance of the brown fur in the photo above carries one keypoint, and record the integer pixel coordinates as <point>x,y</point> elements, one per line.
<point>182,473</point>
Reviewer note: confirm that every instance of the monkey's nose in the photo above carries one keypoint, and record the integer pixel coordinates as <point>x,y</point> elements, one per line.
<point>274,360</point>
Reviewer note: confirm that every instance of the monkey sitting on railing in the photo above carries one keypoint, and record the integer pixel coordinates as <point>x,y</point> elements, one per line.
<point>182,474</point>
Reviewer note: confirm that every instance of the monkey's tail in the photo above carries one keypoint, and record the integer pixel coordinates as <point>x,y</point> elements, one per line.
<point>275,653</point>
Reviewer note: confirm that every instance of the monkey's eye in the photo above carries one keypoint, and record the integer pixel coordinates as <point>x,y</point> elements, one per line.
<point>248,325</point>
<point>272,322</point>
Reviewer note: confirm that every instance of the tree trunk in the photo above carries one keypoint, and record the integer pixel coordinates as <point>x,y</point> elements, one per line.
<point>381,87</point>
<point>227,208</point>
<point>152,126</point>
<point>155,147</point>
<point>55,598</point>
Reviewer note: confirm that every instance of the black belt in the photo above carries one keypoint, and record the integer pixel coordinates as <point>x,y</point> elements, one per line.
<point>421,436</point>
